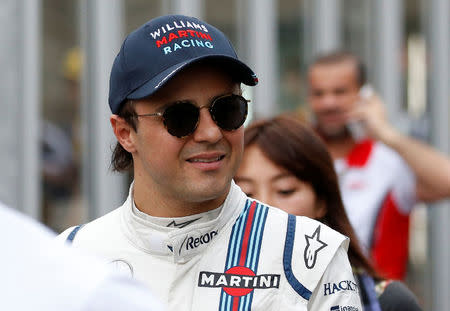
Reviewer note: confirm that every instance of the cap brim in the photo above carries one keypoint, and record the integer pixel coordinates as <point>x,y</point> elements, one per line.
<point>239,70</point>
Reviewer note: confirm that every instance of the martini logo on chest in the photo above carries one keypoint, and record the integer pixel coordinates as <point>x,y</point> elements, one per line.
<point>238,281</point>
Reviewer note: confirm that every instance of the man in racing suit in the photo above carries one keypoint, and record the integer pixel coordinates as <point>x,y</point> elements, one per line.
<point>186,229</point>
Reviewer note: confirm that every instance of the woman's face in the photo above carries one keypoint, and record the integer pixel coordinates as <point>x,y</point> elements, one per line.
<point>269,183</point>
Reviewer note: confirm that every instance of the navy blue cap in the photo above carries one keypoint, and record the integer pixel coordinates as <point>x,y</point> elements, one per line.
<point>152,54</point>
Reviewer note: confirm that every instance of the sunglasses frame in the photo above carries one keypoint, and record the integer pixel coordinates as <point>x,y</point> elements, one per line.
<point>209,106</point>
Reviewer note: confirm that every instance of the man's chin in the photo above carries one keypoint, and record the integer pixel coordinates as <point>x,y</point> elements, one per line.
<point>205,192</point>
<point>333,133</point>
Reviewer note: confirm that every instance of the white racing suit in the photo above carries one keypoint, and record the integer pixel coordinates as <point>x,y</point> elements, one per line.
<point>243,256</point>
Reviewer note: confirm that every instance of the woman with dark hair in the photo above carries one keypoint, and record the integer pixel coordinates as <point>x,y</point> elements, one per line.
<point>286,165</point>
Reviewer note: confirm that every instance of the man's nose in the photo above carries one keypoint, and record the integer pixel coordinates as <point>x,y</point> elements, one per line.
<point>328,100</point>
<point>207,130</point>
<point>264,196</point>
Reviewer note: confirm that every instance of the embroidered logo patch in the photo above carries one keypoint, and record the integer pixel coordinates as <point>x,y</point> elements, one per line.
<point>181,224</point>
<point>238,281</point>
<point>313,246</point>
<point>343,308</point>
<point>122,266</point>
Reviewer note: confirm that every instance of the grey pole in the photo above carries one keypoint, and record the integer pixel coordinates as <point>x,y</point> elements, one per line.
<point>387,50</point>
<point>165,7</point>
<point>439,230</point>
<point>326,25</point>
<point>20,88</point>
<point>240,12</point>
<point>101,35</point>
<point>262,48</point>
<point>29,197</point>
<point>306,36</point>
<point>9,87</point>
<point>187,7</point>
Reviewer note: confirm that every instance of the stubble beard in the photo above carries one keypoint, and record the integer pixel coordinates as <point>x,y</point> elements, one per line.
<point>333,133</point>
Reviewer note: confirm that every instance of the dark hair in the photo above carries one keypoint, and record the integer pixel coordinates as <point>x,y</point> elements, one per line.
<point>122,160</point>
<point>291,144</point>
<point>338,57</point>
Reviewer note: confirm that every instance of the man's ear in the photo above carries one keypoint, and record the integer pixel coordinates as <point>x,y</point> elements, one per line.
<point>123,132</point>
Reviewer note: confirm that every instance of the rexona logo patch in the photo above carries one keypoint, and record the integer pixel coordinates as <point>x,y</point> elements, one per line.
<point>238,281</point>
<point>344,308</point>
<point>193,242</point>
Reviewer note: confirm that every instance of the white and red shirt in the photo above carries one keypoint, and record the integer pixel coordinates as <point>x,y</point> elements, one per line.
<point>378,190</point>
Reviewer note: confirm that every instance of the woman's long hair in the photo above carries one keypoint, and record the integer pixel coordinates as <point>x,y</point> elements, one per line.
<point>290,144</point>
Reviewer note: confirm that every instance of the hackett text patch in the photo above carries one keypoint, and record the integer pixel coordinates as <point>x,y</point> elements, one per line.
<point>345,285</point>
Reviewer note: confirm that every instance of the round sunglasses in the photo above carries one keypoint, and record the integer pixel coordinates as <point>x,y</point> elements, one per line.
<point>181,118</point>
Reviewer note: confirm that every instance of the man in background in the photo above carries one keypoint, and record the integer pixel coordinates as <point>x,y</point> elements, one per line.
<point>382,173</point>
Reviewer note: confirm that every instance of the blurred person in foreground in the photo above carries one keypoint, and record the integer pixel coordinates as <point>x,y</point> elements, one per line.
<point>186,229</point>
<point>286,164</point>
<point>38,274</point>
<point>382,173</point>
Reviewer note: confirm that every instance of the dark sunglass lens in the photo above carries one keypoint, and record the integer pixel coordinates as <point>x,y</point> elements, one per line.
<point>181,119</point>
<point>229,112</point>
